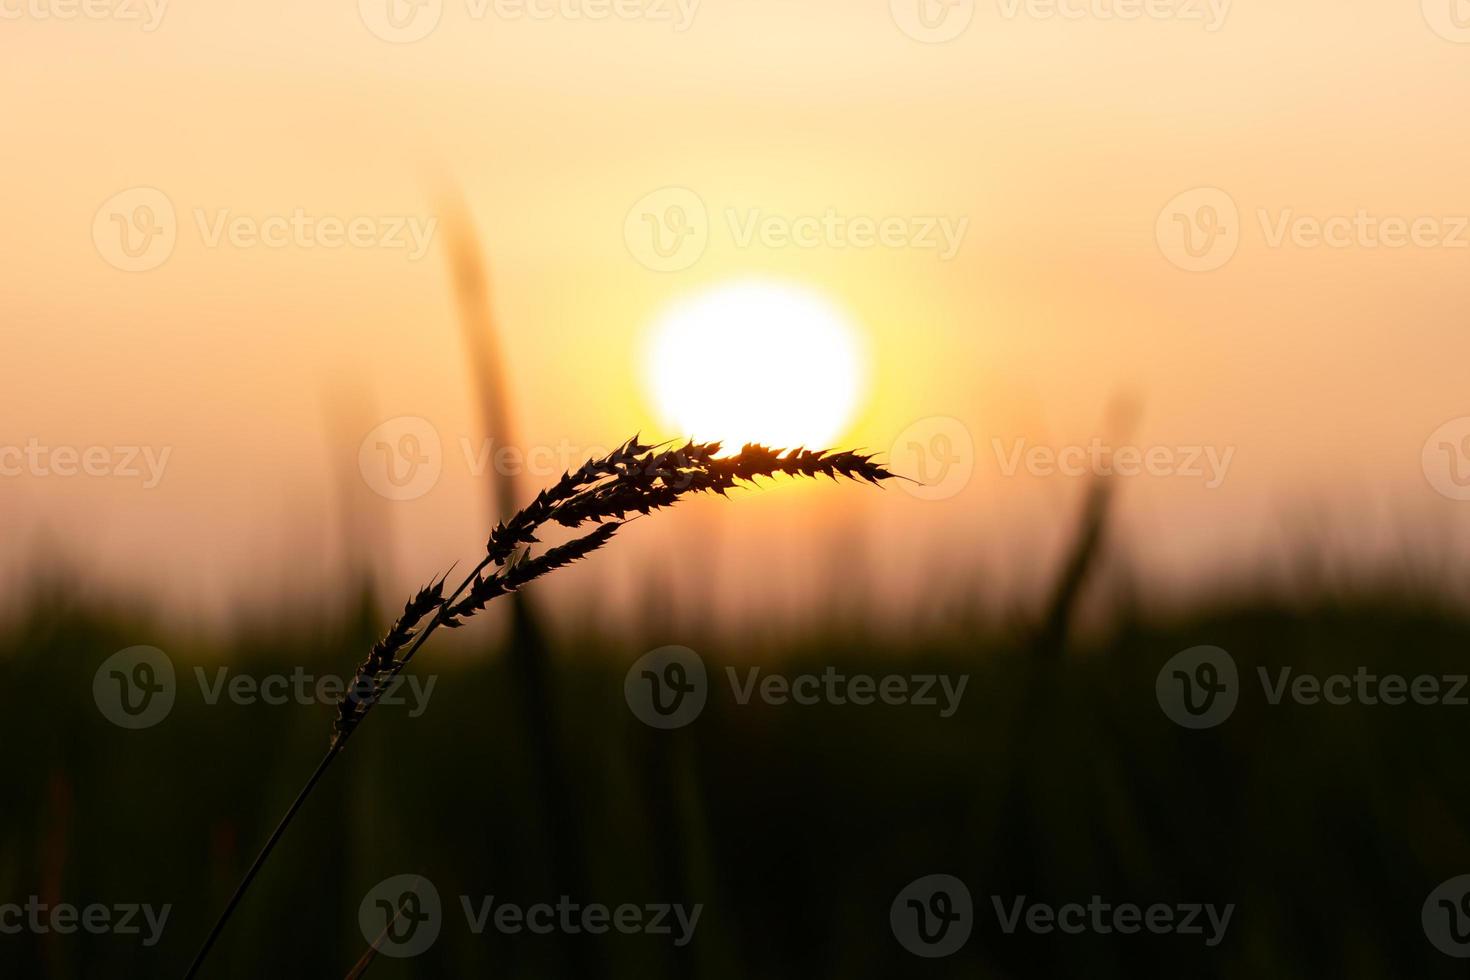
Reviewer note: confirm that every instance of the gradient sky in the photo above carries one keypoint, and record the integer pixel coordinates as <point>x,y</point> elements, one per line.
<point>1064,144</point>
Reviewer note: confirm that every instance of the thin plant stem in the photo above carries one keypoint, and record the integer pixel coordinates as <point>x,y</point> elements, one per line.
<point>270,844</point>
<point>339,742</point>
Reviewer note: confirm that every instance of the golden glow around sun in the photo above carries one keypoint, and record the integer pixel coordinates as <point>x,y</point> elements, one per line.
<point>755,362</point>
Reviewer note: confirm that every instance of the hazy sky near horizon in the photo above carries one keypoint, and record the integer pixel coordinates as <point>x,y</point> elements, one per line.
<point>1233,236</point>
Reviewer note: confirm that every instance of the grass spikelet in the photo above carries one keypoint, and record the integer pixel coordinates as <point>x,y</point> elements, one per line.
<point>382,657</point>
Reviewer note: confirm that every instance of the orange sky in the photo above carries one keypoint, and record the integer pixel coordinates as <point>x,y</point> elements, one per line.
<point>1062,144</point>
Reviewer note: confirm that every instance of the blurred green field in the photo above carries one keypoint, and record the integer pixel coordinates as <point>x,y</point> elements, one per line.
<point>1059,777</point>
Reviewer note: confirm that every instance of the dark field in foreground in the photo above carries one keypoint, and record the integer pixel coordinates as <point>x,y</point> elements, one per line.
<point>795,827</point>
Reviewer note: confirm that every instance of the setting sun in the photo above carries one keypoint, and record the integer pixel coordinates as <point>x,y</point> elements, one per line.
<point>756,362</point>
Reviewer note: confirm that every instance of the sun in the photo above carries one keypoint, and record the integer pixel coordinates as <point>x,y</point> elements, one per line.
<point>756,361</point>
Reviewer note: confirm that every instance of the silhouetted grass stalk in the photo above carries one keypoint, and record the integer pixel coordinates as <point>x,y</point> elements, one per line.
<point>632,479</point>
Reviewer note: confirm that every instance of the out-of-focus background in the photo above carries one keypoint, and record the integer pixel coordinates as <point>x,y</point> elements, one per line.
<point>1160,305</point>
<point>1058,141</point>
